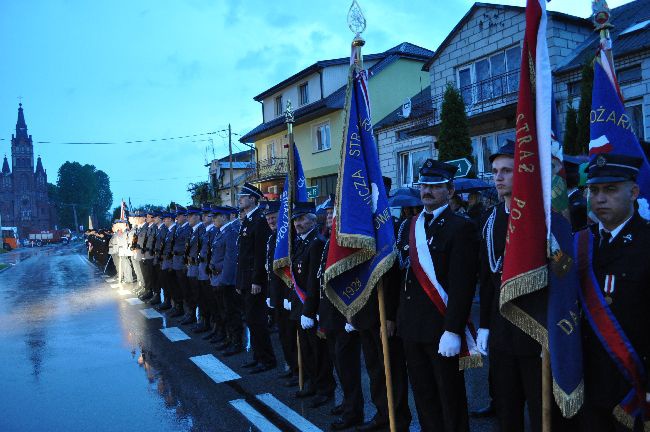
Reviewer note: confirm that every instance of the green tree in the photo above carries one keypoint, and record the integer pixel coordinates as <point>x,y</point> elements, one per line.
<point>103,198</point>
<point>584,109</point>
<point>571,146</point>
<point>454,141</point>
<point>200,193</point>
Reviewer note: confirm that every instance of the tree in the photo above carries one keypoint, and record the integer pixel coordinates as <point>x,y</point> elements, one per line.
<point>584,109</point>
<point>571,146</point>
<point>200,193</point>
<point>103,198</point>
<point>454,141</point>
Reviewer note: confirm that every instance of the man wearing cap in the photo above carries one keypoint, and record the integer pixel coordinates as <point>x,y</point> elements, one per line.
<point>206,298</point>
<point>251,277</point>
<point>438,252</point>
<point>278,292</point>
<point>223,276</point>
<point>192,255</point>
<point>147,261</point>
<point>136,220</point>
<point>139,251</point>
<point>515,357</point>
<point>616,298</point>
<point>179,251</point>
<point>306,255</point>
<point>169,277</point>
<point>161,234</point>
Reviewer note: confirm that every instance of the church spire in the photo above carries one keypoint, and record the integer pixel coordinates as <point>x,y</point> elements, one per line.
<point>5,166</point>
<point>39,165</point>
<point>21,126</point>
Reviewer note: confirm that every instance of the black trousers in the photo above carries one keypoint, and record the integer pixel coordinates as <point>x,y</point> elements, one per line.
<point>192,297</point>
<point>316,362</point>
<point>287,333</point>
<point>182,285</point>
<point>206,301</point>
<point>148,274</point>
<point>517,382</point>
<point>345,350</point>
<point>155,276</point>
<point>261,343</point>
<point>232,307</point>
<point>374,359</point>
<point>438,388</point>
<point>163,278</point>
<point>172,284</point>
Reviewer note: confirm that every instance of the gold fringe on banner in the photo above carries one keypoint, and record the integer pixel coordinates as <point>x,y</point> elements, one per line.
<point>470,362</point>
<point>526,283</point>
<point>278,265</point>
<point>569,404</point>
<point>627,420</point>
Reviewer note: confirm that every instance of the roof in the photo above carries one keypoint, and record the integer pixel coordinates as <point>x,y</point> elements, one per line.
<point>405,49</point>
<point>622,17</point>
<point>420,106</point>
<point>336,100</point>
<point>242,156</point>
<point>477,5</point>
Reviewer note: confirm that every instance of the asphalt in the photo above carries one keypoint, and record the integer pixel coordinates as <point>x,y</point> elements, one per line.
<point>79,354</point>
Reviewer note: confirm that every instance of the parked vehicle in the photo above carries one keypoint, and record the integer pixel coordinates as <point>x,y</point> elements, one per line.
<point>49,237</point>
<point>10,238</point>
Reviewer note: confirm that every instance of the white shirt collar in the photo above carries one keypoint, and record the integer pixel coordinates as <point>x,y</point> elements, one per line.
<point>172,225</point>
<point>304,236</point>
<point>437,212</point>
<point>252,211</point>
<point>616,230</point>
<point>224,226</point>
<point>209,227</point>
<point>195,227</point>
<point>186,223</point>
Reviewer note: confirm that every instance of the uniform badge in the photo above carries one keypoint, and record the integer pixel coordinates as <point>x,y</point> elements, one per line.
<point>406,247</point>
<point>601,161</point>
<point>243,232</point>
<point>299,267</point>
<point>610,285</point>
<point>627,238</point>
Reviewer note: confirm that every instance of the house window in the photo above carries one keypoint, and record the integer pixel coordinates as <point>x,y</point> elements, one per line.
<point>490,77</point>
<point>278,106</point>
<point>629,75</point>
<point>574,89</point>
<point>322,137</point>
<point>402,135</point>
<point>484,146</point>
<point>270,150</point>
<point>304,93</point>
<point>409,165</point>
<point>635,112</point>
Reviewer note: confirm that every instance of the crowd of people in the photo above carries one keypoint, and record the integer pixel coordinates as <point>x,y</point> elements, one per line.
<point>219,260</point>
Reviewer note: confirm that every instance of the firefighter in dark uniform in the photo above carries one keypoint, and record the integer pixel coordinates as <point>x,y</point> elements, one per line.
<point>192,259</point>
<point>161,233</point>
<point>206,297</point>
<point>621,266</point>
<point>306,255</point>
<point>148,250</point>
<point>252,277</point>
<point>515,357</point>
<point>343,343</point>
<point>163,260</point>
<point>447,256</point>
<point>179,251</point>
<point>171,302</point>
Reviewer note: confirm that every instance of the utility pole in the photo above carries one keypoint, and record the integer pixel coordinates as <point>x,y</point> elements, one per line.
<point>232,186</point>
<point>74,212</point>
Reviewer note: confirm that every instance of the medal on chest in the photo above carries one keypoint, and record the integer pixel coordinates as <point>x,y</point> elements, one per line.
<point>300,267</point>
<point>610,285</point>
<point>243,231</point>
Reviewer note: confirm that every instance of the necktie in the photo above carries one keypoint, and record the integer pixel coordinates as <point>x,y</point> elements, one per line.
<point>428,217</point>
<point>605,237</point>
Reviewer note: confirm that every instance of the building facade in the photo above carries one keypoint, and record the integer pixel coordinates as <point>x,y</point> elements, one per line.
<point>243,170</point>
<point>24,201</point>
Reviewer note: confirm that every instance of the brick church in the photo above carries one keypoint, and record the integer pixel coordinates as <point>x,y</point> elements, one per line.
<point>23,189</point>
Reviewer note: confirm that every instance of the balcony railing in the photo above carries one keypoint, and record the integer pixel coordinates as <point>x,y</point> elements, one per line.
<point>485,96</point>
<point>272,167</point>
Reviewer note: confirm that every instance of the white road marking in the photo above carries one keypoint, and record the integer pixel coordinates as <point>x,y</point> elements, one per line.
<point>174,334</point>
<point>85,260</point>
<point>115,286</point>
<point>290,415</point>
<point>254,416</point>
<point>150,313</point>
<point>133,301</point>
<point>124,292</point>
<point>110,280</point>
<point>213,368</point>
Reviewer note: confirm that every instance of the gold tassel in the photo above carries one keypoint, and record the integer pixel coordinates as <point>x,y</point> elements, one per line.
<point>470,362</point>
<point>569,404</point>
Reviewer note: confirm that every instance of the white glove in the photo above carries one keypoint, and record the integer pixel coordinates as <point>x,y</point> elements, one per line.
<point>449,344</point>
<point>482,340</point>
<point>349,328</point>
<point>287,305</point>
<point>306,323</point>
<point>268,303</point>
<point>647,397</point>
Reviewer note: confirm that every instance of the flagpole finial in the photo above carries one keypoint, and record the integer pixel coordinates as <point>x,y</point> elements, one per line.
<point>601,15</point>
<point>356,19</point>
<point>288,113</point>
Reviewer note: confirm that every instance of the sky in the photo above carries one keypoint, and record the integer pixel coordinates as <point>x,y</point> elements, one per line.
<point>123,70</point>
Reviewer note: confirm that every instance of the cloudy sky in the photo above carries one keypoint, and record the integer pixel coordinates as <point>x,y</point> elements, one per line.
<point>125,70</point>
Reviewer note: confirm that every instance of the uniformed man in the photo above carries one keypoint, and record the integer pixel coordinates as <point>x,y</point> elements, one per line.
<point>159,244</point>
<point>343,343</point>
<point>124,252</point>
<point>192,256</point>
<point>615,287</point>
<point>136,221</point>
<point>206,298</point>
<point>114,249</point>
<point>181,242</point>
<point>252,278</point>
<point>515,357</point>
<point>278,292</point>
<point>138,254</point>
<point>147,259</point>
<point>223,279</point>
<point>306,256</point>
<point>438,252</point>
<point>166,267</point>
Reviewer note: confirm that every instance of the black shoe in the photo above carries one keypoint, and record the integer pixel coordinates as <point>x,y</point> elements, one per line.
<point>234,349</point>
<point>145,296</point>
<point>291,382</point>
<point>262,368</point>
<point>209,335</point>
<point>306,392</point>
<point>373,425</point>
<point>287,374</point>
<point>320,400</point>
<point>487,411</point>
<point>155,300</point>
<point>175,312</point>
<point>345,424</point>
<point>201,328</point>
<point>223,346</point>
<point>189,319</point>
<point>164,306</point>
<point>337,410</point>
<point>249,364</point>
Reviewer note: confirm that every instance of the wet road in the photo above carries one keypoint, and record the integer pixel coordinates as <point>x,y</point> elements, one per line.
<point>80,353</point>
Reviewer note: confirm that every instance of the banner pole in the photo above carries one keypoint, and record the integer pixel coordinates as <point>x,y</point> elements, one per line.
<point>547,399</point>
<point>383,331</point>
<point>301,376</point>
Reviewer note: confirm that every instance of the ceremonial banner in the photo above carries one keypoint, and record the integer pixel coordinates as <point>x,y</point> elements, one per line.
<point>123,212</point>
<point>550,316</point>
<point>295,180</point>
<point>362,243</point>
<point>611,130</point>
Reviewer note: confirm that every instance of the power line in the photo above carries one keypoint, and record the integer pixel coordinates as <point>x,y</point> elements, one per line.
<point>151,140</point>
<point>157,179</point>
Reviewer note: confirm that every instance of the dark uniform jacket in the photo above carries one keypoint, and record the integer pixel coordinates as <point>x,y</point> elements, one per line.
<point>305,260</point>
<point>161,235</point>
<point>223,256</point>
<point>330,319</point>
<point>504,336</point>
<point>142,236</point>
<point>194,246</point>
<point>167,251</point>
<point>278,290</point>
<point>454,252</point>
<point>253,234</point>
<point>151,241</point>
<point>181,240</point>
<point>627,257</point>
<point>204,252</point>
